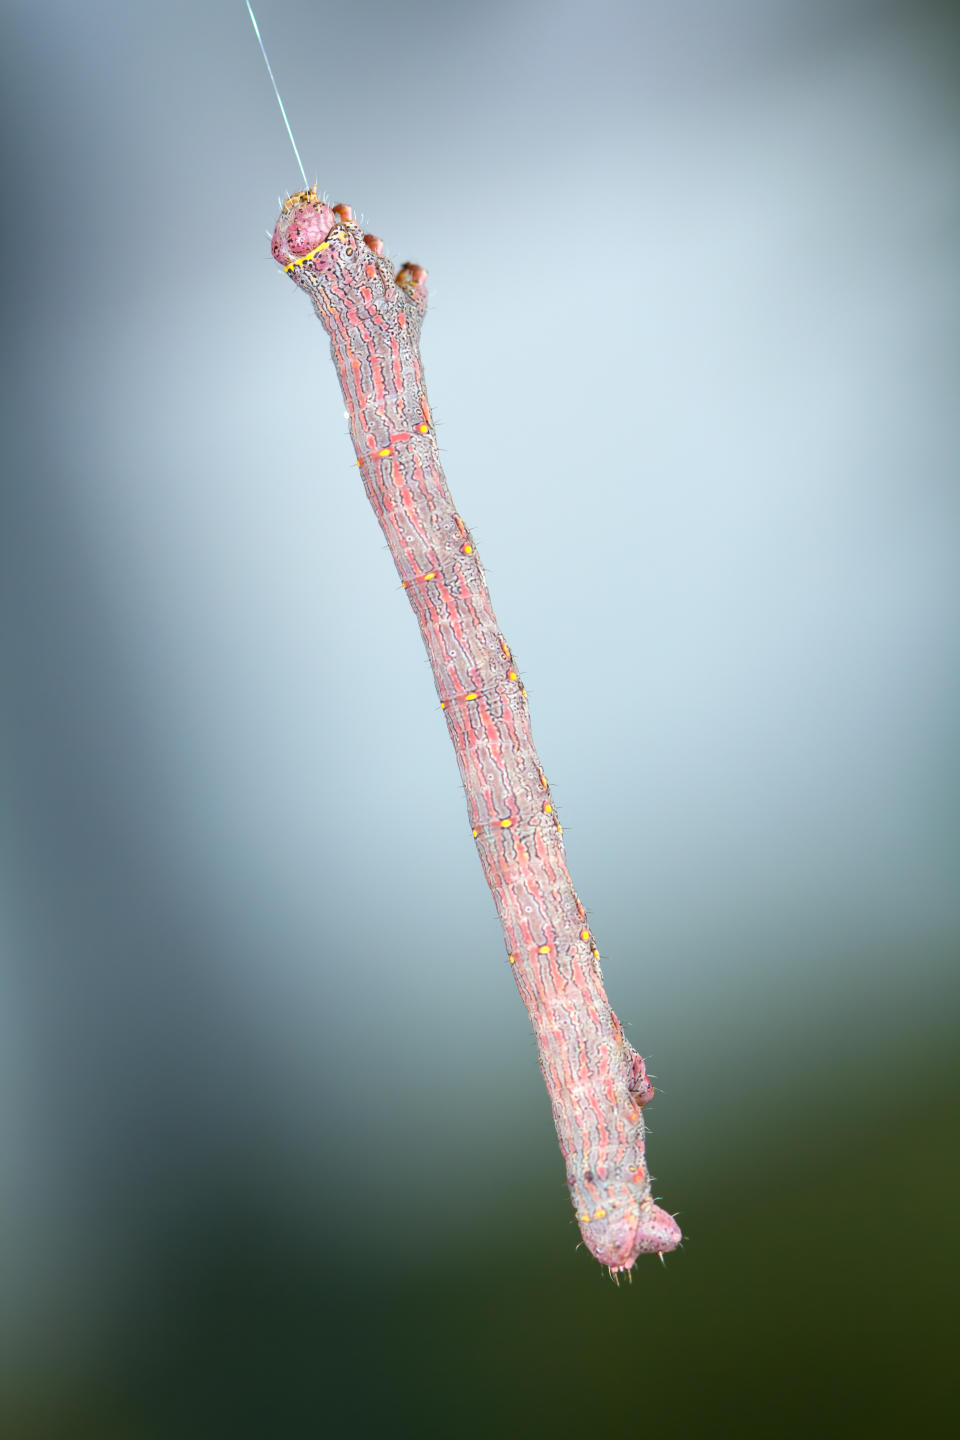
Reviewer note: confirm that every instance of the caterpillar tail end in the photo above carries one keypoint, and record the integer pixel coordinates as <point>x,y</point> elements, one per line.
<point>638,1228</point>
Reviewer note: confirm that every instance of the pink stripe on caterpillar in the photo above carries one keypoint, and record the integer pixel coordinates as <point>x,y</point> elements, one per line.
<point>596,1081</point>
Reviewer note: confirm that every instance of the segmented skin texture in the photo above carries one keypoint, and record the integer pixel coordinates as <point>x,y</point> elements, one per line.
<point>597,1082</point>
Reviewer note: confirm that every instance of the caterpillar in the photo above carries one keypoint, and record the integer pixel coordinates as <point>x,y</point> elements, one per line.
<point>597,1083</point>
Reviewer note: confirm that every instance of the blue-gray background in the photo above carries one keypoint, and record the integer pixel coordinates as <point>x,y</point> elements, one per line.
<point>277,1159</point>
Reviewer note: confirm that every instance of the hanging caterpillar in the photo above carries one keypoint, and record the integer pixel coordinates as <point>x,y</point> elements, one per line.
<point>597,1082</point>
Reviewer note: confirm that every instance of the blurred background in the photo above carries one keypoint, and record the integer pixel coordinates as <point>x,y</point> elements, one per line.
<point>276,1155</point>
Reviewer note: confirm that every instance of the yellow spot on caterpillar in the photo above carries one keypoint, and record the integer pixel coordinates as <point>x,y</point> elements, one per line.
<point>523,691</point>
<point>559,828</point>
<point>505,824</point>
<point>475,833</point>
<point>310,254</point>
<point>547,808</point>
<point>382,454</point>
<point>470,695</point>
<point>430,575</point>
<point>511,674</point>
<point>585,1217</point>
<point>544,950</point>
<point>584,934</point>
<point>505,648</point>
<point>466,549</point>
<point>599,1213</point>
<point>443,703</point>
<point>423,429</point>
<point>512,959</point>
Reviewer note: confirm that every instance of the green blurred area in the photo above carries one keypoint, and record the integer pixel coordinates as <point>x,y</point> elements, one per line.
<point>814,1295</point>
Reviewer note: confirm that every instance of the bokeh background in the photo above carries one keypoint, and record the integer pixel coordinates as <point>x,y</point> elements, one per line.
<point>276,1156</point>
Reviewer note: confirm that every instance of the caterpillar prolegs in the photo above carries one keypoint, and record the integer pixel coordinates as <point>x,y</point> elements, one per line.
<point>597,1082</point>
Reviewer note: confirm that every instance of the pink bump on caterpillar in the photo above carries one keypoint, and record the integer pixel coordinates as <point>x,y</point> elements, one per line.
<point>657,1234</point>
<point>413,278</point>
<point>414,273</point>
<point>640,1083</point>
<point>374,243</point>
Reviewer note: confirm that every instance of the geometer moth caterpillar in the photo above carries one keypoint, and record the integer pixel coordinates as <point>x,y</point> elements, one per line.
<point>597,1082</point>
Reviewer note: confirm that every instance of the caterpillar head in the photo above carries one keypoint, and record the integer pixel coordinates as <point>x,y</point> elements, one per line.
<point>325,252</point>
<point>305,222</point>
